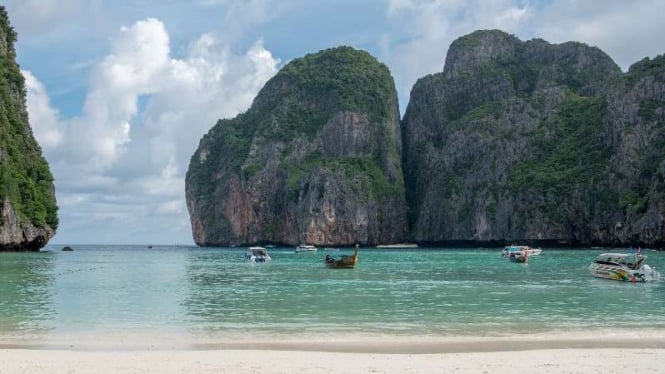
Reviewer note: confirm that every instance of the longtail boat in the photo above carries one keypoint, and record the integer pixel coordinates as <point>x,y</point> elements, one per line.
<point>344,262</point>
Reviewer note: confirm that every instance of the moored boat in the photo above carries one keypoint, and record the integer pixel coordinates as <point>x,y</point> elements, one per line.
<point>344,262</point>
<point>507,251</point>
<point>305,248</point>
<point>519,256</point>
<point>397,246</point>
<point>257,254</point>
<point>627,267</point>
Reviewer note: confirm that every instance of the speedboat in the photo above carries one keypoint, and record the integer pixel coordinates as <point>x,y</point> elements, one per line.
<point>627,267</point>
<point>522,249</point>
<point>257,254</point>
<point>305,248</point>
<point>519,256</point>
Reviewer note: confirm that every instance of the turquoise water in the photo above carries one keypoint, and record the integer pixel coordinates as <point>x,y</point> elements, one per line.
<point>210,291</point>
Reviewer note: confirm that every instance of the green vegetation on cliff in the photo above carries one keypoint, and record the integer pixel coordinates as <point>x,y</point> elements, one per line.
<point>536,141</point>
<point>25,179</point>
<point>319,144</point>
<point>339,79</point>
<point>363,173</point>
<point>567,154</point>
<point>304,95</point>
<point>308,91</point>
<point>648,67</point>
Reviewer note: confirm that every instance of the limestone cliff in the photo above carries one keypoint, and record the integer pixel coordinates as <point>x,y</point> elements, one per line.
<point>532,141</point>
<point>315,159</point>
<point>28,211</point>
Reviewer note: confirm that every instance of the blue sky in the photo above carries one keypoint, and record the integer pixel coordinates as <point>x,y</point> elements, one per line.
<point>120,92</point>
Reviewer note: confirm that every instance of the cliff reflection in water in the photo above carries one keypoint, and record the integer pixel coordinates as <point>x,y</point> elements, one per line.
<point>26,293</point>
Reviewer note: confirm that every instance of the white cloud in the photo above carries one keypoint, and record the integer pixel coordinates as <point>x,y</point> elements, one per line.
<point>39,16</point>
<point>44,119</point>
<point>431,25</point>
<point>123,161</point>
<point>241,15</point>
<point>626,30</point>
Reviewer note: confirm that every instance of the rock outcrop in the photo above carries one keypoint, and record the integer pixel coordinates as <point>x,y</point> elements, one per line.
<point>535,142</point>
<point>28,211</point>
<point>513,141</point>
<point>315,159</point>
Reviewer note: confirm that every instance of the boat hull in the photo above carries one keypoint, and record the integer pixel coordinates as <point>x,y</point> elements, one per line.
<point>305,248</point>
<point>257,258</point>
<point>623,273</point>
<point>514,249</point>
<point>518,257</point>
<point>346,262</point>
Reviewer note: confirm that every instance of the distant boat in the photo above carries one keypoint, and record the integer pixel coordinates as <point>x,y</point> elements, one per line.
<point>511,249</point>
<point>257,254</point>
<point>397,246</point>
<point>519,256</point>
<point>344,262</point>
<point>305,248</point>
<point>627,267</point>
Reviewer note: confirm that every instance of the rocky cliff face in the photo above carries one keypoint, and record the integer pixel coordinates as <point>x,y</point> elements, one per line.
<point>315,159</point>
<point>28,211</point>
<point>635,132</point>
<point>530,141</point>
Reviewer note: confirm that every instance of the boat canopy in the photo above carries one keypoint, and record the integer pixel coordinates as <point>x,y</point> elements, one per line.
<point>516,248</point>
<point>630,260</point>
<point>258,251</point>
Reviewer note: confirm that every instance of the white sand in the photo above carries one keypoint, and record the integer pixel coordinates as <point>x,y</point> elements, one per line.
<point>641,351</point>
<point>610,360</point>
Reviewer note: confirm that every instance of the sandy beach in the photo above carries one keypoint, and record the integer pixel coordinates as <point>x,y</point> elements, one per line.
<point>613,360</point>
<point>605,353</point>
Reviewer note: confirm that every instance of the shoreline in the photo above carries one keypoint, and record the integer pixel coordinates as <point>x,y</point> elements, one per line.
<point>341,342</point>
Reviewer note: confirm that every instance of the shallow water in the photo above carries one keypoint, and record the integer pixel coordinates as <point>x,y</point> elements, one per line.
<point>212,292</point>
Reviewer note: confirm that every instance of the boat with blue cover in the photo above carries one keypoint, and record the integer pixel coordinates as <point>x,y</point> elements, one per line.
<point>520,249</point>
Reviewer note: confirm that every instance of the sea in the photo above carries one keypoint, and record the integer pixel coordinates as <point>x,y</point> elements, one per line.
<point>196,293</point>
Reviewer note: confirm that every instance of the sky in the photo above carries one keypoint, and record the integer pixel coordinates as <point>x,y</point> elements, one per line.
<point>120,92</point>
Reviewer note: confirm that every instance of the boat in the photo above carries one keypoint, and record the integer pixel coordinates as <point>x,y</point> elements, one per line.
<point>344,262</point>
<point>627,267</point>
<point>397,246</point>
<point>305,248</point>
<point>519,256</point>
<point>507,251</point>
<point>257,254</point>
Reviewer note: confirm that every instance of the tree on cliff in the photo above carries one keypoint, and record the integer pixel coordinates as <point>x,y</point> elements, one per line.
<point>28,209</point>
